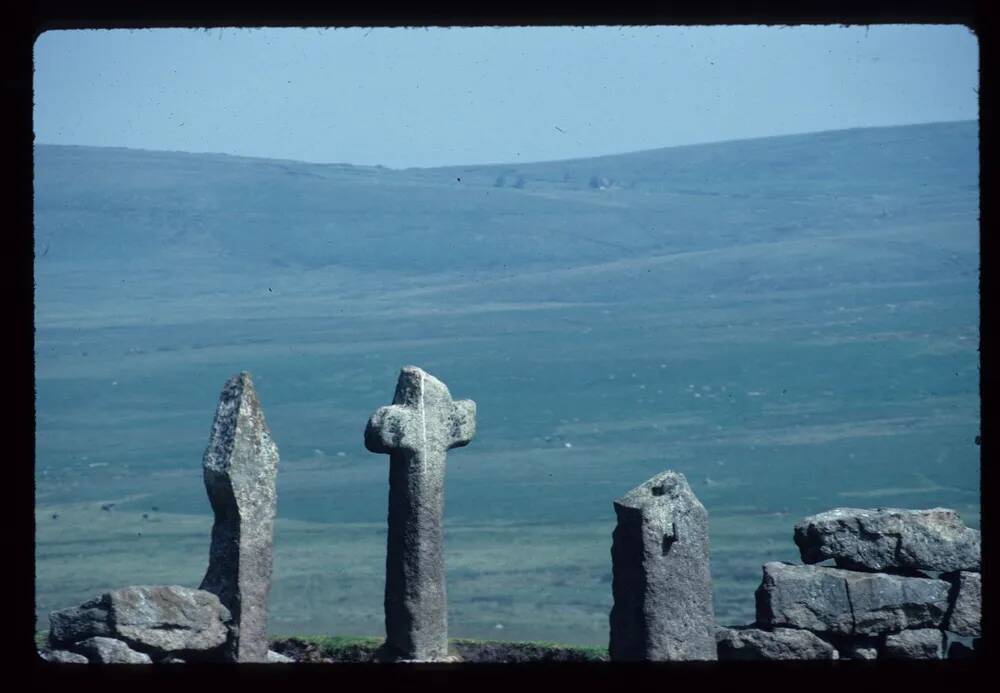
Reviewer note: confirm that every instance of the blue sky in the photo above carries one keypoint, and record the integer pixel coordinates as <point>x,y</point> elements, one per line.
<point>438,96</point>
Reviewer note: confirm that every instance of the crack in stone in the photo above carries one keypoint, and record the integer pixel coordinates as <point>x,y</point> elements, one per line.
<point>850,606</point>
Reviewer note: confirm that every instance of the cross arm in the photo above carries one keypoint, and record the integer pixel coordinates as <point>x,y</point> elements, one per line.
<point>462,423</point>
<point>386,429</point>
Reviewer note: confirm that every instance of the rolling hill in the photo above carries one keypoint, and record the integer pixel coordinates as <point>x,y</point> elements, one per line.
<point>792,322</point>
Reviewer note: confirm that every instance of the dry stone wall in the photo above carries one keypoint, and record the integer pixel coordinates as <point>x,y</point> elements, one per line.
<point>884,583</point>
<point>905,584</point>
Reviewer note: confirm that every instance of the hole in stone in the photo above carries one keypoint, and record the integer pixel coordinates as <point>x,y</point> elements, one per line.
<point>659,490</point>
<point>668,541</point>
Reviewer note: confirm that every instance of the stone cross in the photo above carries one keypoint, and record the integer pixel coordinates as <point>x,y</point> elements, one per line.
<point>416,431</point>
<point>240,470</point>
<point>660,575</point>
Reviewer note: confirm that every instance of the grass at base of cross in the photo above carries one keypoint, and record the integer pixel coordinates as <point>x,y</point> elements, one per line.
<point>322,648</point>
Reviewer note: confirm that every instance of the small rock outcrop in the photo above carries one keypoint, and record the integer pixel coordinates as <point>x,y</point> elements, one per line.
<point>890,540</point>
<point>90,619</point>
<point>159,621</point>
<point>661,581</point>
<point>880,602</point>
<point>748,643</point>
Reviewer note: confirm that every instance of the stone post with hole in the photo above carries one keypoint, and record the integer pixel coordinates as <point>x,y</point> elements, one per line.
<point>661,582</point>
<point>416,431</point>
<point>240,470</point>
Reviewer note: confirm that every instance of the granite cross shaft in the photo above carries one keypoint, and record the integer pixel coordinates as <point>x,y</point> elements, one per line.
<point>416,431</point>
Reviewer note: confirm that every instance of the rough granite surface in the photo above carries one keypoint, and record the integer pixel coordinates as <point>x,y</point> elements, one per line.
<point>661,580</point>
<point>966,614</point>
<point>921,643</point>
<point>240,471</point>
<point>416,431</point>
<point>101,650</point>
<point>832,600</point>
<point>90,619</point>
<point>742,644</point>
<point>157,620</point>
<point>890,539</point>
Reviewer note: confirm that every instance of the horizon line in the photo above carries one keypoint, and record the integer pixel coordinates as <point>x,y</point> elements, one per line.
<point>507,163</point>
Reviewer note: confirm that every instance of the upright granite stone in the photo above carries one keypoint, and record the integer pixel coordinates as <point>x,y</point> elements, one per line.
<point>890,539</point>
<point>416,431</point>
<point>844,602</point>
<point>661,582</point>
<point>966,612</point>
<point>240,470</point>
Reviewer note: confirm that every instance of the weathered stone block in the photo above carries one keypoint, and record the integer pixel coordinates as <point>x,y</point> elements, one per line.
<point>661,581</point>
<point>171,619</point>
<point>102,650</point>
<point>831,600</point>
<point>890,539</point>
<point>88,620</point>
<point>922,643</point>
<point>782,643</point>
<point>158,620</point>
<point>966,612</point>
<point>885,603</point>
<point>804,597</point>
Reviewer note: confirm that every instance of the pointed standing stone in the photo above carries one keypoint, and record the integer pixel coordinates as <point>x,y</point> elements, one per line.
<point>240,469</point>
<point>660,575</point>
<point>416,431</point>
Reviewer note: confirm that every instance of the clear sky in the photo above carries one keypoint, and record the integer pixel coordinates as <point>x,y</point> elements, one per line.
<point>430,97</point>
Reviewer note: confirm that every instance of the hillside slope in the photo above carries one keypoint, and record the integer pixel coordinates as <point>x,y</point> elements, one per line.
<point>791,322</point>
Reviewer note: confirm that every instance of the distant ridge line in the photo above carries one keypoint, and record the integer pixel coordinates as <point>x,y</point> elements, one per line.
<point>501,164</point>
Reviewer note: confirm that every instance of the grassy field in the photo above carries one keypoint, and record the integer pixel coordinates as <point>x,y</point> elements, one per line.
<point>792,323</point>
